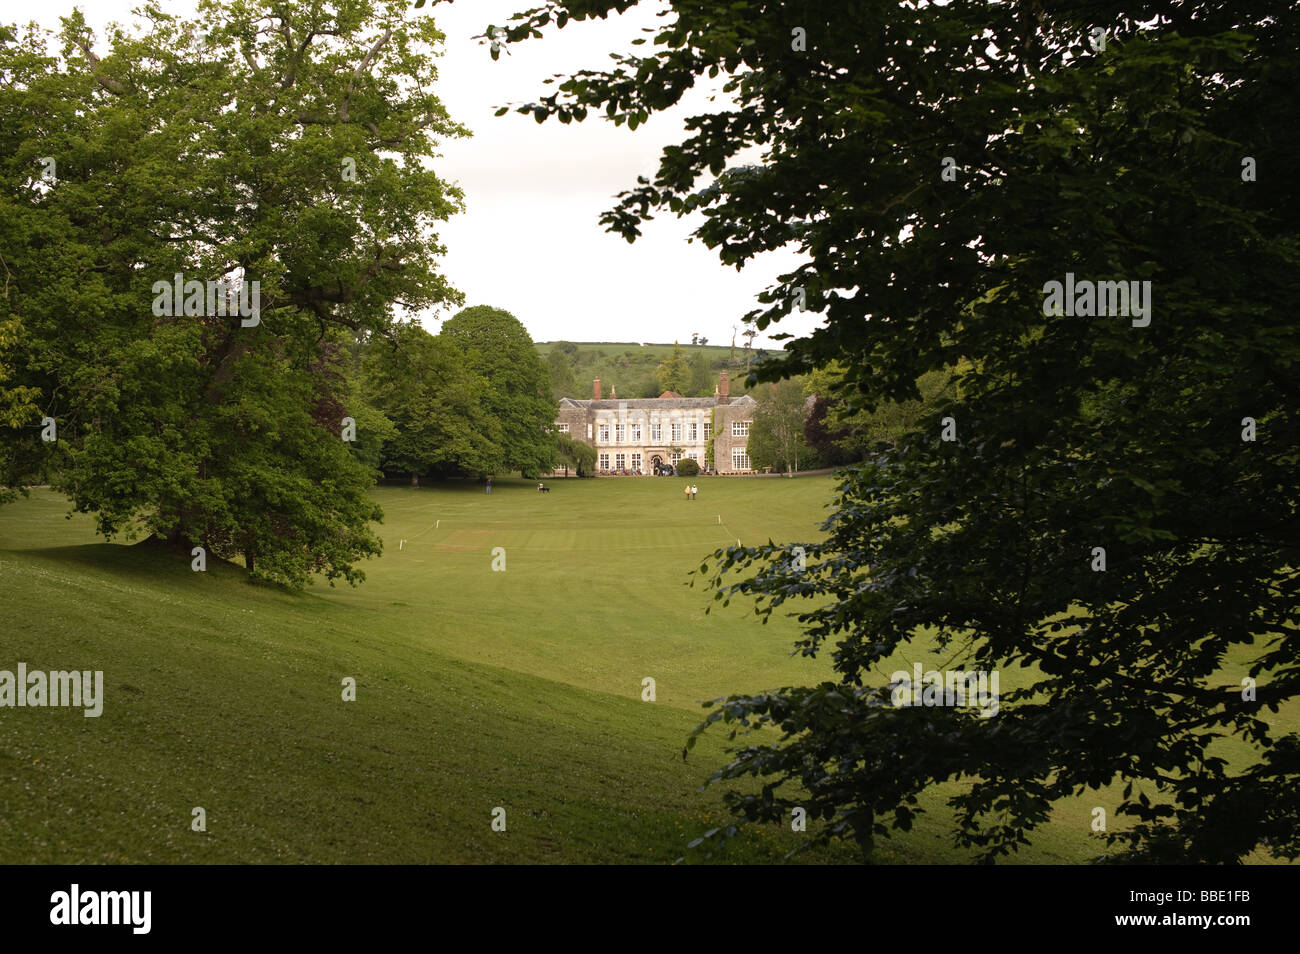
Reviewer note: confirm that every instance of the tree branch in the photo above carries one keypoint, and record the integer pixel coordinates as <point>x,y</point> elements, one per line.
<point>107,82</point>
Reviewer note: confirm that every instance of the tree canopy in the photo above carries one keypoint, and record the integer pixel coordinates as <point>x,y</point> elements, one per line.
<point>674,372</point>
<point>577,454</point>
<point>1107,503</point>
<point>776,435</point>
<point>701,379</point>
<point>559,369</point>
<point>842,432</point>
<point>437,405</point>
<point>518,391</point>
<point>298,132</point>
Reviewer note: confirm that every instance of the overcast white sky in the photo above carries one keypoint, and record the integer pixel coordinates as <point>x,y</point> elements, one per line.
<point>530,240</point>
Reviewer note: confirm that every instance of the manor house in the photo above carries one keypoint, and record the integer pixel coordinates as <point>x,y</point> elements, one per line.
<point>638,435</point>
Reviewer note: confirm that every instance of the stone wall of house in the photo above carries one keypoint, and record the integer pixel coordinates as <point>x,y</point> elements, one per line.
<point>740,411</point>
<point>576,418</point>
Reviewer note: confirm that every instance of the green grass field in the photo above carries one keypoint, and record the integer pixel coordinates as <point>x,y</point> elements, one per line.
<point>475,688</point>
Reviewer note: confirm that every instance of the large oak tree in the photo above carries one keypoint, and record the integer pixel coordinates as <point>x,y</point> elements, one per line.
<point>275,141</point>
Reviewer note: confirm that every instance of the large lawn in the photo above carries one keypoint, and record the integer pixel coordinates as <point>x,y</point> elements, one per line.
<point>475,688</point>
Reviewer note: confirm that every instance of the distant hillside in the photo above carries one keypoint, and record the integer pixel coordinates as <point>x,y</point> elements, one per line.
<point>712,352</point>
<point>629,366</point>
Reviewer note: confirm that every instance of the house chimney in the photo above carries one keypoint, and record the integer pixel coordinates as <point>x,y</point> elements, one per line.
<point>595,390</point>
<point>724,387</point>
<point>613,392</point>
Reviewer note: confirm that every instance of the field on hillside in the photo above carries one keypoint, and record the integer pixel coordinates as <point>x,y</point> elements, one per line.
<point>631,369</point>
<point>518,688</point>
<point>712,352</point>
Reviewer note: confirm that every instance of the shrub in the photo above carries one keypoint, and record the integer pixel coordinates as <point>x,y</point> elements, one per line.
<point>687,467</point>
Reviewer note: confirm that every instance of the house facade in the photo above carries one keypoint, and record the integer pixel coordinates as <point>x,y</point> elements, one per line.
<point>637,435</point>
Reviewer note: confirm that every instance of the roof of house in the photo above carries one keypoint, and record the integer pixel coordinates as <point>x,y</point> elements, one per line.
<point>655,404</point>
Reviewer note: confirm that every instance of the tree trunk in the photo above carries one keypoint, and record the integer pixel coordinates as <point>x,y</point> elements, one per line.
<point>415,479</point>
<point>176,536</point>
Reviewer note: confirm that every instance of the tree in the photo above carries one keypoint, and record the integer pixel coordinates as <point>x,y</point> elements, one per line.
<point>18,411</point>
<point>298,131</point>
<point>437,405</point>
<point>701,380</point>
<point>498,348</point>
<point>749,347</point>
<point>645,385</point>
<point>841,430</point>
<point>1009,149</point>
<point>824,437</point>
<point>710,457</point>
<point>559,367</point>
<point>674,373</point>
<point>776,436</point>
<point>577,454</point>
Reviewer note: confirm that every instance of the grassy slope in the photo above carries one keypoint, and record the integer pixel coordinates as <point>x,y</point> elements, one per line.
<point>625,365</point>
<point>714,355</point>
<point>612,349</point>
<point>475,688</point>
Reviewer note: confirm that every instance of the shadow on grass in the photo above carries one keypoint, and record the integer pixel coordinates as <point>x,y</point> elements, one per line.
<point>158,561</point>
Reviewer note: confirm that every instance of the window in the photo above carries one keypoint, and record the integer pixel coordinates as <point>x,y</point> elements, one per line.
<point>604,434</point>
<point>675,457</point>
<point>620,431</point>
<point>740,429</point>
<point>636,462</point>
<point>636,433</point>
<point>656,433</point>
<point>604,462</point>
<point>708,430</point>
<point>692,432</point>
<point>588,432</point>
<point>564,428</point>
<point>739,459</point>
<point>620,461</point>
<point>677,433</point>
